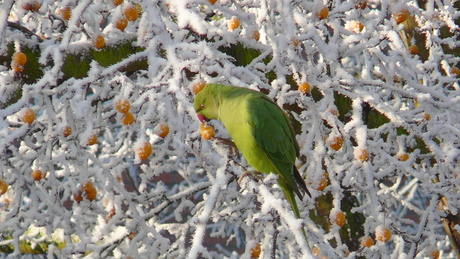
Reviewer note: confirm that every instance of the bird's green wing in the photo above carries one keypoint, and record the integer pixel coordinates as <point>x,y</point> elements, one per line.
<point>272,130</point>
<point>274,135</point>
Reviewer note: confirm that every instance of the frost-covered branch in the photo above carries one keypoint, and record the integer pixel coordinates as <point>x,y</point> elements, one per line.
<point>103,155</point>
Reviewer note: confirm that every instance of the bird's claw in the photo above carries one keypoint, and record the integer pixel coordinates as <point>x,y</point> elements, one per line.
<point>254,175</point>
<point>231,145</point>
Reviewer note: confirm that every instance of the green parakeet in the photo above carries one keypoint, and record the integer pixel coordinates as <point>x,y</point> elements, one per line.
<point>260,130</point>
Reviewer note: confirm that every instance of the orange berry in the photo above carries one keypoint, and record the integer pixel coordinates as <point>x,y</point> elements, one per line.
<point>145,150</point>
<point>426,116</point>
<point>28,116</point>
<point>86,191</point>
<point>336,143</point>
<point>323,13</point>
<point>99,42</point>
<point>304,88</point>
<point>402,156</point>
<point>128,119</point>
<point>256,250</point>
<point>110,215</point>
<point>3,186</point>
<point>131,13</point>
<point>207,132</point>
<point>27,6</point>
<point>434,253</point>
<point>455,71</point>
<point>295,42</point>
<point>323,182</point>
<point>90,191</point>
<point>198,86</point>
<point>162,130</point>
<point>67,131</point>
<point>401,15</point>
<point>256,35</point>
<point>66,13</point>
<point>316,251</point>
<point>335,112</point>
<point>33,6</point>
<point>367,241</point>
<point>77,196</point>
<point>6,202</point>
<point>233,23</point>
<point>357,26</point>
<point>212,1</point>
<point>123,105</point>
<point>92,140</point>
<point>20,58</point>
<point>362,155</point>
<point>413,49</point>
<point>382,234</point>
<point>338,217</point>
<point>17,67</point>
<point>361,4</point>
<point>117,2</point>
<point>131,235</point>
<point>121,24</point>
<point>38,175</point>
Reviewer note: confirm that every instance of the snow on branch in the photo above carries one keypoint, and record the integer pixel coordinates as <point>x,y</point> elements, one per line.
<point>102,154</point>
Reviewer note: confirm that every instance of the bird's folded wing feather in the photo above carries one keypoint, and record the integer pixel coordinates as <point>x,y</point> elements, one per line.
<point>274,135</point>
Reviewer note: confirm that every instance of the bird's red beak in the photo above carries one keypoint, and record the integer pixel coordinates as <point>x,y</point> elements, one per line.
<point>202,118</point>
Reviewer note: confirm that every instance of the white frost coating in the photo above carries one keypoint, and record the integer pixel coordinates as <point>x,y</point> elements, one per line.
<point>184,199</point>
<point>271,202</point>
<point>202,219</point>
<point>187,18</point>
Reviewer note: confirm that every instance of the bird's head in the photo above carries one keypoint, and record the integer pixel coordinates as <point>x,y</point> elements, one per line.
<point>206,105</point>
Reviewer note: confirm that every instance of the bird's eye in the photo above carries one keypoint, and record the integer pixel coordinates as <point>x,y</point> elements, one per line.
<point>202,106</point>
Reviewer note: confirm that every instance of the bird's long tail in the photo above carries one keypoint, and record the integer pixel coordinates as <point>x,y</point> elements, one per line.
<point>290,196</point>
